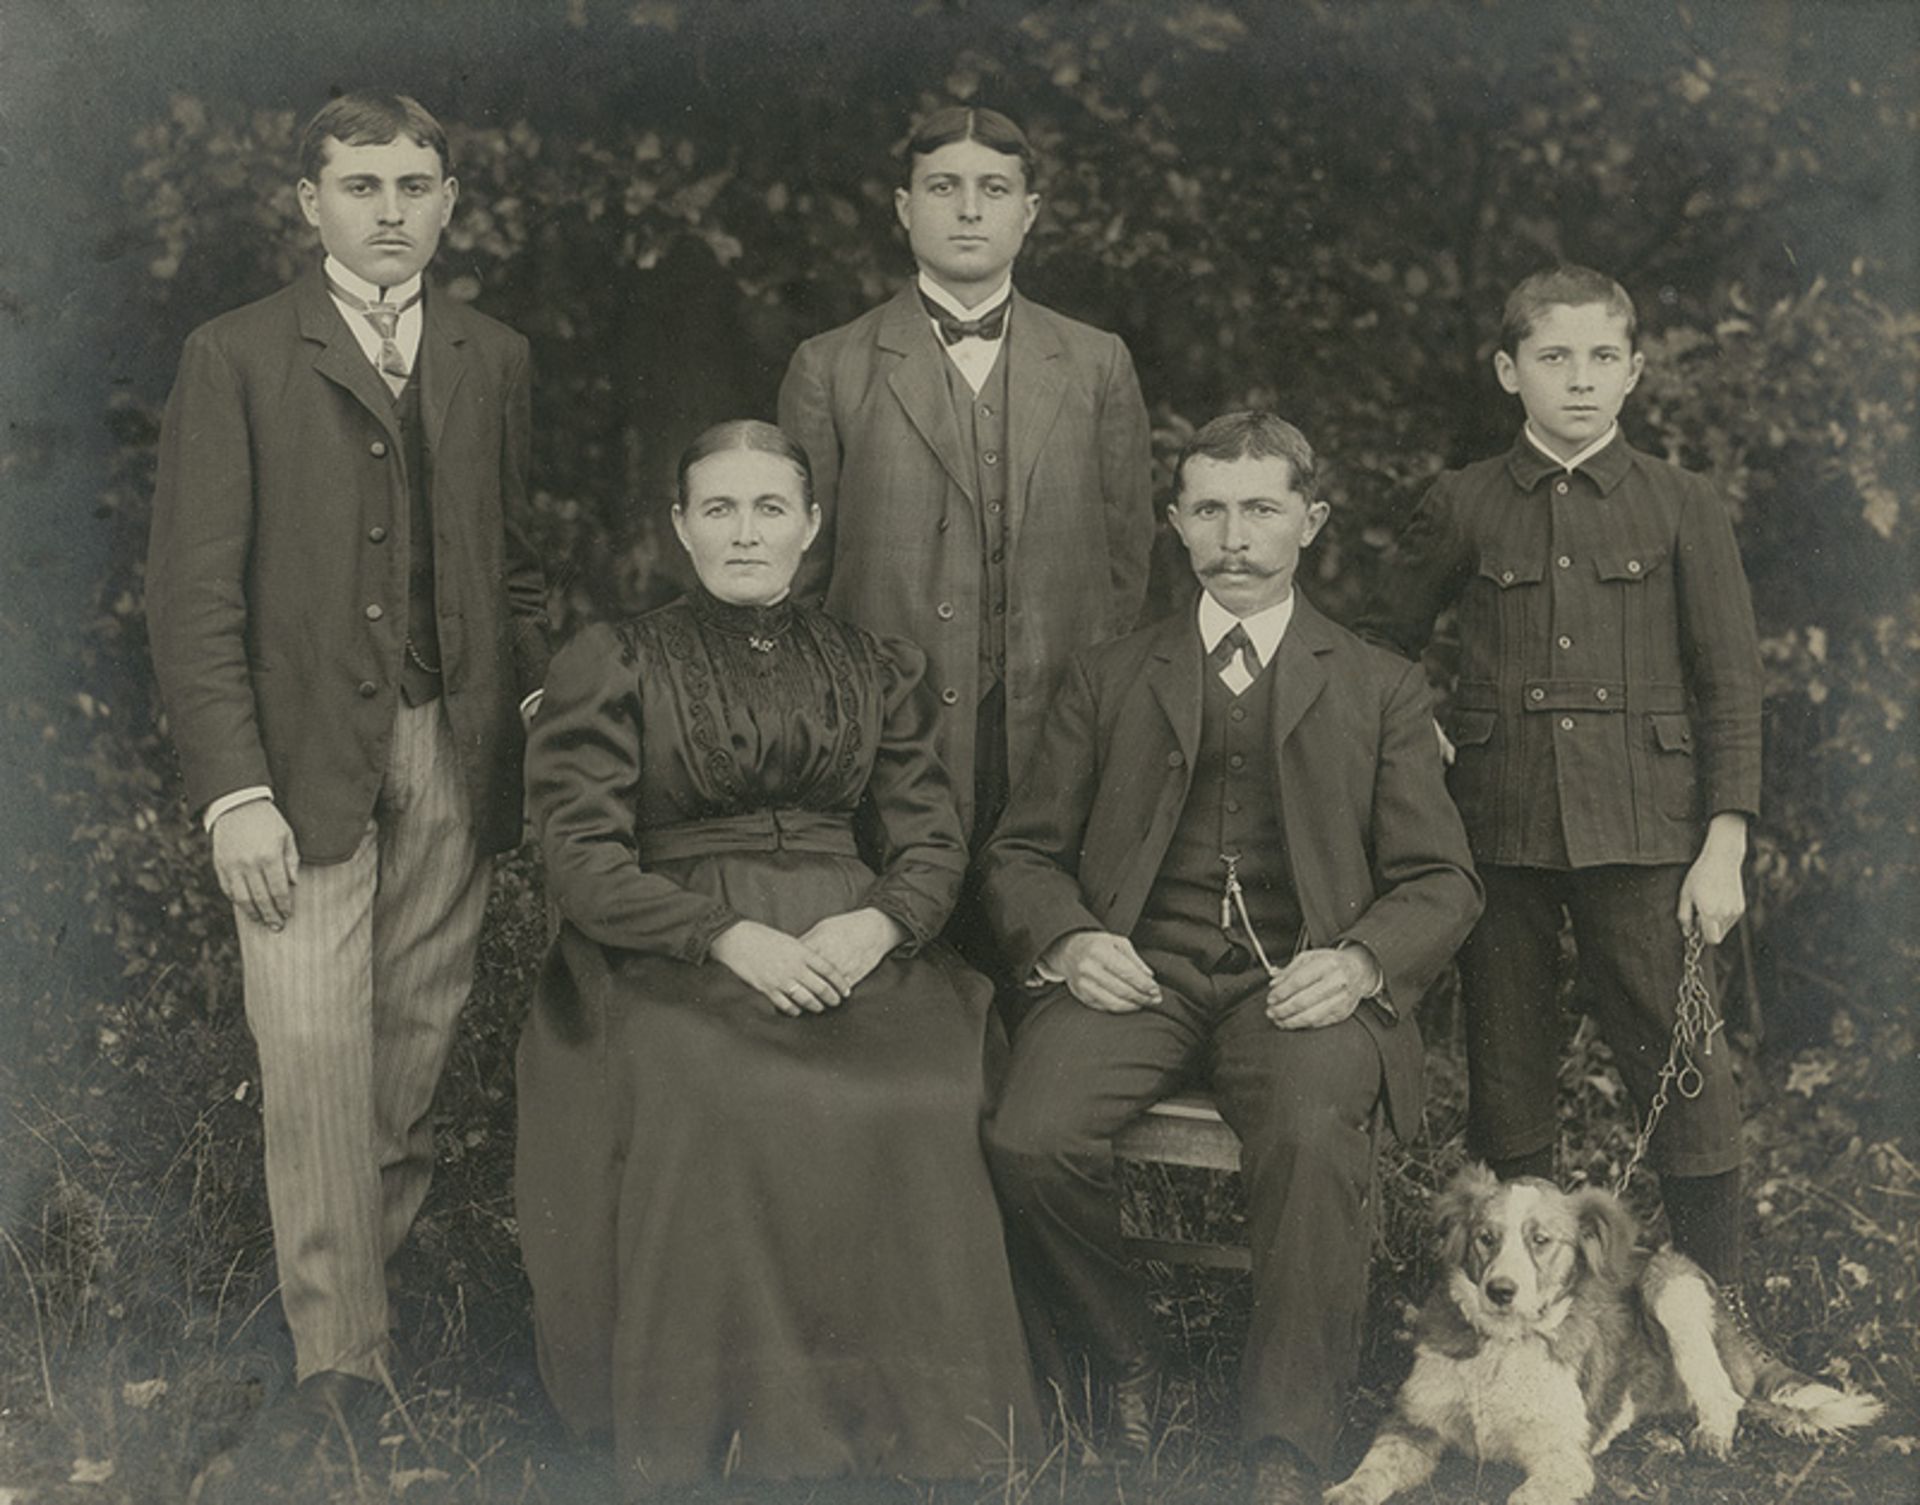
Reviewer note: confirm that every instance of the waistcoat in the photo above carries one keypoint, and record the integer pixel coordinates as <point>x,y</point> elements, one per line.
<point>1233,806</point>
<point>982,420</point>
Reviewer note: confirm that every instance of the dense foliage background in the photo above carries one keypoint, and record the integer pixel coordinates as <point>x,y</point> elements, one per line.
<point>1316,207</point>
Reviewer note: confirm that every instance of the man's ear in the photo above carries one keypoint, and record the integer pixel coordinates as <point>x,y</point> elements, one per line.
<point>1635,367</point>
<point>308,193</point>
<point>1317,515</point>
<point>1504,368</point>
<point>902,209</point>
<point>1033,212</point>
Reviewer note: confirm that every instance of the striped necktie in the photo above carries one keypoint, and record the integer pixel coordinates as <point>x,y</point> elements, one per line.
<point>385,319</point>
<point>1236,660</point>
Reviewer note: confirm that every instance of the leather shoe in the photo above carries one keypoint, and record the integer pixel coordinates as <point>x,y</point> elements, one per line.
<point>1282,1476</point>
<point>280,1454</point>
<point>1136,1395</point>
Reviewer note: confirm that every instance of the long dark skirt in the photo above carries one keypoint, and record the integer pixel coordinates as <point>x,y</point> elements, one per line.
<point>761,1246</point>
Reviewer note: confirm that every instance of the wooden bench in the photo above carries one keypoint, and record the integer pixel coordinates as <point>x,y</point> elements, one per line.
<point>1184,1130</point>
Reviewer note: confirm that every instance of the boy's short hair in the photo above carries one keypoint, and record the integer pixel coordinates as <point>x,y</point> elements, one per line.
<point>370,119</point>
<point>965,123</point>
<point>745,433</point>
<point>1251,432</point>
<point>1562,287</point>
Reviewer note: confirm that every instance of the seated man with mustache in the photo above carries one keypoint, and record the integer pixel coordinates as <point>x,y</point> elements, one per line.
<point>1232,860</point>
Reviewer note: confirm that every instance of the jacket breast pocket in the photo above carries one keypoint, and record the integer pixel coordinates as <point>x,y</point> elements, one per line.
<point>1630,566</point>
<point>1675,784</point>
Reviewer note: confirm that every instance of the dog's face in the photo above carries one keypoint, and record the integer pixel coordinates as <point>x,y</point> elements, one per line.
<point>1518,1249</point>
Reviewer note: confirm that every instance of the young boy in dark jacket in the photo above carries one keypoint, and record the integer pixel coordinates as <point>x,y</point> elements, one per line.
<point>1605,742</point>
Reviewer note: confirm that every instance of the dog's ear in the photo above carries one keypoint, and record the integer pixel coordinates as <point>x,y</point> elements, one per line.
<point>1453,1209</point>
<point>1608,1231</point>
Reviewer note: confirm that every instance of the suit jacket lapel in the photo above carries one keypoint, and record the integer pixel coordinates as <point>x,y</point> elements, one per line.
<point>442,365</point>
<point>919,380</point>
<point>1173,674</point>
<point>1034,385</point>
<point>1302,675</point>
<point>340,359</point>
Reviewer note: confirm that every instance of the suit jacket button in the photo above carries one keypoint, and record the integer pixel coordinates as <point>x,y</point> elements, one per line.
<point>944,611</point>
<point>367,689</point>
<point>374,613</point>
<point>1537,693</point>
<point>376,535</point>
<point>1175,759</point>
<point>950,697</point>
<point>1566,723</point>
<point>1601,693</point>
<point>378,449</point>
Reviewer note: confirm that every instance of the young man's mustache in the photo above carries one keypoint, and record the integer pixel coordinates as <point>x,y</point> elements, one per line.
<point>1237,567</point>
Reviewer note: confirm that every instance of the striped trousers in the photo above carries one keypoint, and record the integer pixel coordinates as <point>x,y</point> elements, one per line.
<point>353,1006</point>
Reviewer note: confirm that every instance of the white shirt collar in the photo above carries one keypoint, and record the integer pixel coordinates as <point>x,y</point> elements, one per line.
<point>354,283</point>
<point>1265,628</point>
<point>952,304</point>
<point>1573,463</point>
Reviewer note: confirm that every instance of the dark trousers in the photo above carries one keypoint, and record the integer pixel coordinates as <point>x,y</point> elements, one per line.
<point>1302,1102</point>
<point>1630,957</point>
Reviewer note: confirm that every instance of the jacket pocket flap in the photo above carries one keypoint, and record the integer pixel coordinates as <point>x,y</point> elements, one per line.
<point>1510,572</point>
<point>1629,567</point>
<point>1672,731</point>
<point>1470,728</point>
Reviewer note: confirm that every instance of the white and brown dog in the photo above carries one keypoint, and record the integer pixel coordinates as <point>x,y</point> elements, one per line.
<point>1552,1333</point>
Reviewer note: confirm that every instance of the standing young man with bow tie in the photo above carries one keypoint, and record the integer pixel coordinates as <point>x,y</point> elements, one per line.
<point>348,628</point>
<point>981,462</point>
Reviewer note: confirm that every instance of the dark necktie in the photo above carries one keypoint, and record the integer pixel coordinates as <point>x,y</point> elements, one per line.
<point>1234,658</point>
<point>385,319</point>
<point>989,326</point>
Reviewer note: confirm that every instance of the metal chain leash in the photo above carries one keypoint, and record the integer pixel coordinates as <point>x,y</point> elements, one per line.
<point>1695,1022</point>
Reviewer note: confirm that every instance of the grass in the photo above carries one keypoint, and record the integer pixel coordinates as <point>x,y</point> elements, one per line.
<point>138,1329</point>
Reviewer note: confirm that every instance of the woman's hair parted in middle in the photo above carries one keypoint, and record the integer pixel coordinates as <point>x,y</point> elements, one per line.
<point>745,433</point>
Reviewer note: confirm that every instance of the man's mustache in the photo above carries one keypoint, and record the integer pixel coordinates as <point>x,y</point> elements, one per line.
<point>1237,567</point>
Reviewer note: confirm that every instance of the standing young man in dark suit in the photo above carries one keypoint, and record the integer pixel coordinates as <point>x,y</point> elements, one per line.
<point>981,462</point>
<point>1231,859</point>
<point>348,627</point>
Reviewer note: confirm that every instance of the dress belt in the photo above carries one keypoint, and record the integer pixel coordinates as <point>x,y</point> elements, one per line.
<point>765,830</point>
<point>1572,695</point>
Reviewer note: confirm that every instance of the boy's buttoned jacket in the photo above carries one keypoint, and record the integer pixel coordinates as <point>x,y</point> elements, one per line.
<point>1609,691</point>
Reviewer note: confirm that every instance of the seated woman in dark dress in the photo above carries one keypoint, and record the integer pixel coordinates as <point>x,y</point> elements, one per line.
<point>750,1190</point>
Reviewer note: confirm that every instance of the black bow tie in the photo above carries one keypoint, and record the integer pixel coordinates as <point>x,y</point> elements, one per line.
<point>989,326</point>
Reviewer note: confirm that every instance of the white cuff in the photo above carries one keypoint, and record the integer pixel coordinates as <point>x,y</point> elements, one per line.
<point>226,802</point>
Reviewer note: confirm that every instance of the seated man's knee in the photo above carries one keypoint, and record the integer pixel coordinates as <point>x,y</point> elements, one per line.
<point>1033,1143</point>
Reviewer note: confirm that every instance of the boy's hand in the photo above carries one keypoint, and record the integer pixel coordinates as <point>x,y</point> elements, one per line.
<point>1711,895</point>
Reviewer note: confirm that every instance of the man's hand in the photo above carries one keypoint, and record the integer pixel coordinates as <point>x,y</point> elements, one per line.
<point>257,861</point>
<point>786,971</point>
<point>854,943</point>
<point>1711,896</point>
<point>1103,971</point>
<point>1446,745</point>
<point>1321,987</point>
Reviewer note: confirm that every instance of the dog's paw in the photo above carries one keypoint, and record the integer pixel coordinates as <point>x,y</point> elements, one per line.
<point>1713,1436</point>
<point>1539,1491</point>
